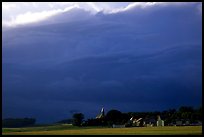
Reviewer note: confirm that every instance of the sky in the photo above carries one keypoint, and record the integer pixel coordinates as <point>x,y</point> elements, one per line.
<point>69,57</point>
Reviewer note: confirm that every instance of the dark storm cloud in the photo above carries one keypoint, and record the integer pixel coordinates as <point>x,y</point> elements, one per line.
<point>131,61</point>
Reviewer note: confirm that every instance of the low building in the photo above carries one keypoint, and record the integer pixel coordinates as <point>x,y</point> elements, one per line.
<point>118,126</point>
<point>178,123</point>
<point>135,122</point>
<point>149,122</point>
<point>160,122</point>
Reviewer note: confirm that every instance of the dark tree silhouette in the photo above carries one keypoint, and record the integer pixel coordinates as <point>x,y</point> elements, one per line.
<point>114,117</point>
<point>77,119</point>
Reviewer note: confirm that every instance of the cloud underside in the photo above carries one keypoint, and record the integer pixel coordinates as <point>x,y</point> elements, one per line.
<point>127,61</point>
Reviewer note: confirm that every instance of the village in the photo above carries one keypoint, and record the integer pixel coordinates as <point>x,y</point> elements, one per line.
<point>184,116</point>
<point>116,119</point>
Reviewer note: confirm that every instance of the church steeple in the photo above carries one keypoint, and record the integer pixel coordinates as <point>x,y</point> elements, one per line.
<point>102,114</point>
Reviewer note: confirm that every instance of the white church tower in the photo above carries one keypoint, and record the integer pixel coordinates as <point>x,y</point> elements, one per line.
<point>102,114</point>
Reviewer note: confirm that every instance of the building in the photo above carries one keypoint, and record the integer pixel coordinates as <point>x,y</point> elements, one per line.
<point>135,122</point>
<point>160,122</point>
<point>149,122</point>
<point>118,126</point>
<point>178,123</point>
<point>101,115</point>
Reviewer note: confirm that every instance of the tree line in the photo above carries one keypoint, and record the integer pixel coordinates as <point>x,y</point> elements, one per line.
<point>184,113</point>
<point>18,122</point>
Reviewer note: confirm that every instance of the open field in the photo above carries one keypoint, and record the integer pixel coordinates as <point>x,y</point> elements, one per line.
<point>70,130</point>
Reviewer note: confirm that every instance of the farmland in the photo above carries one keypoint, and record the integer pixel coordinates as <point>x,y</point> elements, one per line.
<point>72,130</point>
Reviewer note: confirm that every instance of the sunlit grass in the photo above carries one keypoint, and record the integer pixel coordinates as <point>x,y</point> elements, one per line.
<point>70,130</point>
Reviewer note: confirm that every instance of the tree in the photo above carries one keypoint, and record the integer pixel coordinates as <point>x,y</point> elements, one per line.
<point>114,117</point>
<point>125,118</point>
<point>77,119</point>
<point>186,109</point>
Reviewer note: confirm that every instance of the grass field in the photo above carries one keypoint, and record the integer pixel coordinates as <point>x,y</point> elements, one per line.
<point>71,130</point>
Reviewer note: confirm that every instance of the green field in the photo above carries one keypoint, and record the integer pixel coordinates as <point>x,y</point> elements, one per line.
<point>71,130</point>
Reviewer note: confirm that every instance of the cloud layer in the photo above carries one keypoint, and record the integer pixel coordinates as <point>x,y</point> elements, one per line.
<point>133,59</point>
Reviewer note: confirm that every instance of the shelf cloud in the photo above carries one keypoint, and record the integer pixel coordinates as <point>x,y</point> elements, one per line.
<point>77,57</point>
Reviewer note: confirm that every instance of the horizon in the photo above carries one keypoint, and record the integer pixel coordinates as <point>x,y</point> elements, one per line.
<point>105,112</point>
